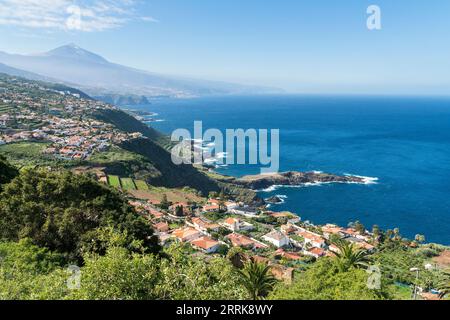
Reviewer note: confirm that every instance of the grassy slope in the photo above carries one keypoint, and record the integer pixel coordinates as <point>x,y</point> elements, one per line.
<point>23,154</point>
<point>154,150</point>
<point>127,123</point>
<point>128,184</point>
<point>114,181</point>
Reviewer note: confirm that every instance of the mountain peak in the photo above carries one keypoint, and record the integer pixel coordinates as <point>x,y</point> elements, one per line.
<point>72,51</point>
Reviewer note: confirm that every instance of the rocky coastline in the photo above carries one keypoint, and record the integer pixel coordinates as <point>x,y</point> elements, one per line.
<point>295,178</point>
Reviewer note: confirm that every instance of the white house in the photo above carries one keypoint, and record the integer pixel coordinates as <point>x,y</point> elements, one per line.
<point>245,211</point>
<point>277,238</point>
<point>231,205</point>
<point>203,225</point>
<point>313,239</point>
<point>231,224</point>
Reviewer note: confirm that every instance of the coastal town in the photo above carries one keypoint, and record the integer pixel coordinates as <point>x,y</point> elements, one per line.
<point>279,239</point>
<point>61,121</point>
<point>56,117</point>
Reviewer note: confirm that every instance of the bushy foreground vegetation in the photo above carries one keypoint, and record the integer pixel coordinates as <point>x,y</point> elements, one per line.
<point>65,212</point>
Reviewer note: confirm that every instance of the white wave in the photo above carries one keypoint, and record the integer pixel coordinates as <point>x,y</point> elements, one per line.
<point>282,197</point>
<point>366,180</point>
<point>210,160</point>
<point>199,147</point>
<point>222,155</point>
<point>270,189</point>
<point>273,188</point>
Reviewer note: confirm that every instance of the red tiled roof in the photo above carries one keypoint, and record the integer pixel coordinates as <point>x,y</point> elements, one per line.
<point>211,207</point>
<point>231,221</point>
<point>162,226</point>
<point>185,233</point>
<point>204,224</point>
<point>317,251</point>
<point>239,240</point>
<point>205,243</point>
<point>311,236</point>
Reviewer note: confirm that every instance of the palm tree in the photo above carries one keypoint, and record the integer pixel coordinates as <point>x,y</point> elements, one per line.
<point>256,278</point>
<point>397,236</point>
<point>419,238</point>
<point>444,287</point>
<point>348,256</point>
<point>237,257</point>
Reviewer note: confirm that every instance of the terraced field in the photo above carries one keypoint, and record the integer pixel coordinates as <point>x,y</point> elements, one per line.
<point>141,185</point>
<point>114,181</point>
<point>128,184</point>
<point>5,109</point>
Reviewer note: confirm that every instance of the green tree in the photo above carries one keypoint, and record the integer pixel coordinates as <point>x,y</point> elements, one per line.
<point>7,171</point>
<point>119,275</point>
<point>348,256</point>
<point>257,279</point>
<point>397,235</point>
<point>213,195</point>
<point>324,281</point>
<point>179,211</point>
<point>419,238</point>
<point>29,272</point>
<point>359,227</point>
<point>444,286</point>
<point>376,232</point>
<point>237,257</point>
<point>63,212</point>
<point>164,202</point>
<point>185,277</point>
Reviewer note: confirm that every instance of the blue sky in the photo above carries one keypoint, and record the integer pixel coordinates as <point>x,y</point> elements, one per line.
<point>314,46</point>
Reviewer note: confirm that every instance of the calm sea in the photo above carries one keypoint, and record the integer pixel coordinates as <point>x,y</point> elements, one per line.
<point>404,142</point>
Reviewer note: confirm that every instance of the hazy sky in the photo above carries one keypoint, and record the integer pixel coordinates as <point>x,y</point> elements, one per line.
<point>303,46</point>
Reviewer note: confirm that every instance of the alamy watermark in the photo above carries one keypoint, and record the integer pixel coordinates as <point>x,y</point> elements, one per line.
<point>374,19</point>
<point>374,279</point>
<point>74,280</point>
<point>236,146</point>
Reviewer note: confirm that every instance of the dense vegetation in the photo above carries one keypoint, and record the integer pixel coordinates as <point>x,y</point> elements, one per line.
<point>7,171</point>
<point>65,213</point>
<point>325,281</point>
<point>30,272</point>
<point>50,220</point>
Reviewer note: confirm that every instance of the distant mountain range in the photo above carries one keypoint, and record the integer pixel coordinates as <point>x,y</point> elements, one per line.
<point>112,82</point>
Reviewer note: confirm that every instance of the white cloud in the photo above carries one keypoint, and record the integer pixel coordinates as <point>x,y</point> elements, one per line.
<point>79,15</point>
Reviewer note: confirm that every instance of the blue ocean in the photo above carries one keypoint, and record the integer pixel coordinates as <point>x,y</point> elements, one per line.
<point>402,141</point>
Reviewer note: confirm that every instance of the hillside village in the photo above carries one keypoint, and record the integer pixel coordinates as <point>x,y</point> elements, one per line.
<point>33,112</point>
<point>56,117</point>
<point>280,239</point>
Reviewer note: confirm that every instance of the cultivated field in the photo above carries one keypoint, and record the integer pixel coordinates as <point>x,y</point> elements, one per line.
<point>127,184</point>
<point>114,181</point>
